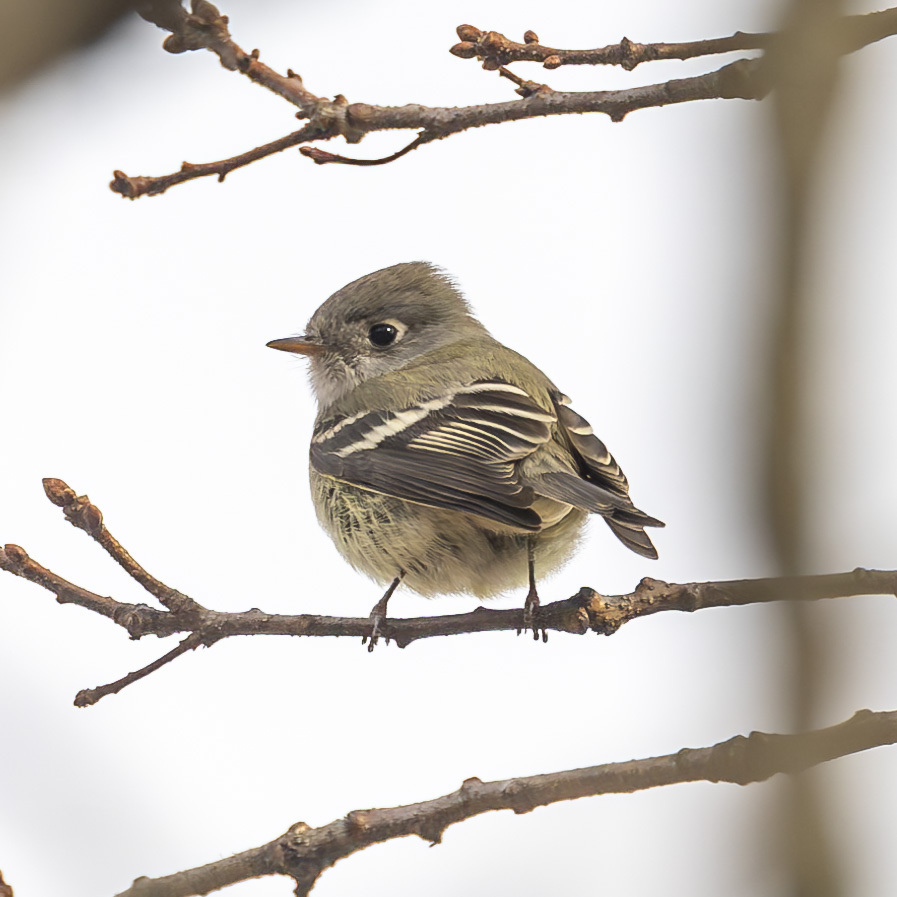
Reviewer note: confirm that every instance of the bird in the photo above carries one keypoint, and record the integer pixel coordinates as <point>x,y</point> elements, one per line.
<point>441,459</point>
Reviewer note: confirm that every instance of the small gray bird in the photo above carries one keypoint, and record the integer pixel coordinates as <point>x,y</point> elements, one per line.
<point>440,458</point>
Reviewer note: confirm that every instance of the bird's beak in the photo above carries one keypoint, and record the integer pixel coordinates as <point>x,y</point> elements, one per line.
<point>302,345</point>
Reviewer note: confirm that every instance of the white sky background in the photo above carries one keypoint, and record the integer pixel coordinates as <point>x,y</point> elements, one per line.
<point>632,262</point>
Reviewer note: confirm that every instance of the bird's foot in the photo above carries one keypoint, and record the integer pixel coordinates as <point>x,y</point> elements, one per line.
<point>531,605</point>
<point>531,614</point>
<point>379,626</point>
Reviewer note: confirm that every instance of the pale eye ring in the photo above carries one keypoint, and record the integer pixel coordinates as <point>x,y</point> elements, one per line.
<point>383,335</point>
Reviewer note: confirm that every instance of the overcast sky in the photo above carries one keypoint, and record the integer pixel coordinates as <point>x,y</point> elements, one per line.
<point>632,262</point>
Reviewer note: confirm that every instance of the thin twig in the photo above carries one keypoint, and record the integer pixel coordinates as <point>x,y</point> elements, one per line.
<point>86,516</point>
<point>137,619</point>
<point>493,49</point>
<point>303,852</point>
<point>132,186</point>
<point>524,88</point>
<point>88,696</point>
<point>322,157</point>
<point>587,611</point>
<point>204,28</point>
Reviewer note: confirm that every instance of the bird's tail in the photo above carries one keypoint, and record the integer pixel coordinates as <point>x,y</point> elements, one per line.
<point>629,528</point>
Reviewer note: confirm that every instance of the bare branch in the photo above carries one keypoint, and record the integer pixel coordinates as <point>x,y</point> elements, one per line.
<point>493,49</point>
<point>137,619</point>
<point>303,852</point>
<point>322,157</point>
<point>88,696</point>
<point>739,79</point>
<point>524,88</point>
<point>206,28</point>
<point>133,186</point>
<point>81,513</point>
<point>587,611</point>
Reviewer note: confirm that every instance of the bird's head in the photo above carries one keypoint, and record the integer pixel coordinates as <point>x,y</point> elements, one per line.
<point>380,323</point>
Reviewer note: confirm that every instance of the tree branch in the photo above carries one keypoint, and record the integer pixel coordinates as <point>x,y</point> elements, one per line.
<point>741,79</point>
<point>81,513</point>
<point>88,696</point>
<point>303,852</point>
<point>587,611</point>
<point>132,187</point>
<point>493,49</point>
<point>322,157</point>
<point>205,28</point>
<point>805,66</point>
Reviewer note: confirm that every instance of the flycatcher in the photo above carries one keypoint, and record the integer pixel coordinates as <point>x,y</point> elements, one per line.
<point>440,458</point>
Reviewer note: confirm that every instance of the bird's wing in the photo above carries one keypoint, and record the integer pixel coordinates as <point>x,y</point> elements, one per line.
<point>600,486</point>
<point>457,451</point>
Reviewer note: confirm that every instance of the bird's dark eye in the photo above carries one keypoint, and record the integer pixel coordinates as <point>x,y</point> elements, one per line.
<point>382,335</point>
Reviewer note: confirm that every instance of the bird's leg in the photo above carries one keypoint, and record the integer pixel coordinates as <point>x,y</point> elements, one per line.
<point>378,613</point>
<point>531,605</point>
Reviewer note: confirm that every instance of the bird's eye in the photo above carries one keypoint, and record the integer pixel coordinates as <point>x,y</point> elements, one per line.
<point>382,335</point>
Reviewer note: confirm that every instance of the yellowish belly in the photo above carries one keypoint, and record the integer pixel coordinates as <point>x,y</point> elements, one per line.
<point>440,551</point>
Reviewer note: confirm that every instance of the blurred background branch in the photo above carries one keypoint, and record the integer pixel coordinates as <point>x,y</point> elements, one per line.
<point>805,65</point>
<point>37,32</point>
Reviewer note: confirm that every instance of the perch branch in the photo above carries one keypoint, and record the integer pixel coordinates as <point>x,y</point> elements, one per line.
<point>587,611</point>
<point>205,28</point>
<point>304,853</point>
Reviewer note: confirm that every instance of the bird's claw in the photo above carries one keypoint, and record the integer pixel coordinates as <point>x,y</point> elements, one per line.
<point>531,614</point>
<point>378,628</point>
<point>378,618</point>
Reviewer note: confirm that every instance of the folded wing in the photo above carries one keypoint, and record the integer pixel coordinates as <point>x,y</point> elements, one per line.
<point>457,451</point>
<point>462,451</point>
